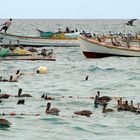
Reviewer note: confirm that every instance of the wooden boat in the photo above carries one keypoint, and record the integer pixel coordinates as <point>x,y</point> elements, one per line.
<point>6,39</point>
<point>93,48</point>
<point>20,54</point>
<point>27,57</point>
<point>59,35</point>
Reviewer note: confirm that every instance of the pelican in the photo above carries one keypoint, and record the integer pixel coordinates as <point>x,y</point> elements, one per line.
<point>86,78</point>
<point>13,79</point>
<point>86,113</point>
<point>0,78</point>
<point>22,95</point>
<point>97,101</point>
<point>131,107</point>
<point>106,110</point>
<point>48,98</point>
<point>4,123</point>
<point>105,98</point>
<point>130,22</point>
<point>113,43</point>
<point>18,73</point>
<point>5,96</point>
<point>138,109</point>
<point>21,102</point>
<point>52,111</point>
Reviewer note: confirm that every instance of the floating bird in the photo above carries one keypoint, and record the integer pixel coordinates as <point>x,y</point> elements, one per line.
<point>3,80</point>
<point>130,22</point>
<point>131,107</point>
<point>5,96</point>
<point>0,78</point>
<point>138,109</point>
<point>22,95</point>
<point>43,96</point>
<point>119,106</point>
<point>106,110</point>
<point>105,98</point>
<point>4,123</point>
<point>125,106</point>
<point>86,78</point>
<point>98,102</point>
<point>21,102</point>
<point>86,113</point>
<point>52,111</point>
<point>48,98</point>
<point>18,73</point>
<point>13,79</point>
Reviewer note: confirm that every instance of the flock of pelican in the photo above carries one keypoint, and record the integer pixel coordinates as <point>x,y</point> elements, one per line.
<point>102,101</point>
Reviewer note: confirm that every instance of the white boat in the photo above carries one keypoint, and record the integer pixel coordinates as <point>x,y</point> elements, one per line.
<point>93,48</point>
<point>6,39</point>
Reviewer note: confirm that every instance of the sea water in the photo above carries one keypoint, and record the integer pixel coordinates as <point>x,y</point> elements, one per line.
<point>65,81</point>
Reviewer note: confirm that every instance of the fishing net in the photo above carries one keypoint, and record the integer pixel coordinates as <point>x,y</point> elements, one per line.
<point>5,52</point>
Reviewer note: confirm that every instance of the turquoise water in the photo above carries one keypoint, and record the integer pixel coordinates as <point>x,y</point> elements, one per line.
<point>112,76</point>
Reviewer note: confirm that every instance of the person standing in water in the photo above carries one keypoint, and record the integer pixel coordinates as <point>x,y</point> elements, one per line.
<point>6,25</point>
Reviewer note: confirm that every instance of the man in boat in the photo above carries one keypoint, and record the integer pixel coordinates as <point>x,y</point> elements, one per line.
<point>67,30</point>
<point>60,31</point>
<point>6,25</point>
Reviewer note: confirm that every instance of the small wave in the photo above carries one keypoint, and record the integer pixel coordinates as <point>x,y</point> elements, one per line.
<point>80,129</point>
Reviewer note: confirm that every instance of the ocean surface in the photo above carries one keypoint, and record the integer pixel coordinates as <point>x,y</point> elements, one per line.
<point>65,81</point>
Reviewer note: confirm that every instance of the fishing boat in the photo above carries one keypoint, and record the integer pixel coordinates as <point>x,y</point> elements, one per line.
<point>27,57</point>
<point>98,48</point>
<point>22,54</point>
<point>6,39</point>
<point>59,35</point>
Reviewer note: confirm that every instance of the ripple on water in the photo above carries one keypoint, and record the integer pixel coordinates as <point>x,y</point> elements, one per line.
<point>112,76</point>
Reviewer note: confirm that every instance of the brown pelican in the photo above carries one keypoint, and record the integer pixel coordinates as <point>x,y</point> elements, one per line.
<point>48,98</point>
<point>113,43</point>
<point>106,110</point>
<point>5,96</point>
<point>117,42</point>
<point>3,80</point>
<point>119,106</point>
<point>130,22</point>
<point>98,102</point>
<point>18,73</point>
<point>131,107</point>
<point>22,95</point>
<point>138,109</point>
<point>52,111</point>
<point>0,78</point>
<point>86,113</point>
<point>4,123</point>
<point>21,102</point>
<point>105,98</point>
<point>13,79</point>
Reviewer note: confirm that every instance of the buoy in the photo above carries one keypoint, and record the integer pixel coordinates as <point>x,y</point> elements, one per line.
<point>42,70</point>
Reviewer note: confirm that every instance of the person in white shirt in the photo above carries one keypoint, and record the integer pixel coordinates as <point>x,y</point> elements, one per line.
<point>6,25</point>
